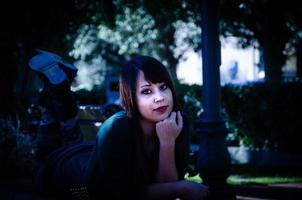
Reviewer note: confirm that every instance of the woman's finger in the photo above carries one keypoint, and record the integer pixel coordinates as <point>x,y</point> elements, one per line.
<point>173,117</point>
<point>179,120</point>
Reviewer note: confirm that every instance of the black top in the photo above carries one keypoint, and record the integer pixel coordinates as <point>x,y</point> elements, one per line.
<point>109,168</point>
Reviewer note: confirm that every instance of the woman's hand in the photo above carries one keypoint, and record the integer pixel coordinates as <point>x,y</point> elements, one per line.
<point>193,191</point>
<point>169,129</point>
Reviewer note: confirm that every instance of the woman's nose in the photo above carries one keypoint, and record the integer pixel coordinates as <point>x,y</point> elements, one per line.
<point>158,97</point>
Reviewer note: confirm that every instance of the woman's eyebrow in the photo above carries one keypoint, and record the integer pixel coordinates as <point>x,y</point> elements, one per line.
<point>146,85</point>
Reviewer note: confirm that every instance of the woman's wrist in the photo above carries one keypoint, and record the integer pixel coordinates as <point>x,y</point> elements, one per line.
<point>167,144</point>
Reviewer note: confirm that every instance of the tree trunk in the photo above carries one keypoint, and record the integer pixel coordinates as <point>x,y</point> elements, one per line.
<point>167,39</point>
<point>172,64</point>
<point>273,59</point>
<point>8,72</point>
<point>272,47</point>
<point>299,61</point>
<point>273,38</point>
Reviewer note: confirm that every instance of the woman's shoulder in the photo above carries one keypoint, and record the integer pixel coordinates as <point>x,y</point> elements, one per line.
<point>120,118</point>
<point>117,123</point>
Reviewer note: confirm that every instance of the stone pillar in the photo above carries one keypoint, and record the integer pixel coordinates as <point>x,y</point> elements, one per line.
<point>213,156</point>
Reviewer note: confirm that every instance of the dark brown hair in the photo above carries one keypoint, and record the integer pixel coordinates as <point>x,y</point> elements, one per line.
<point>154,72</point>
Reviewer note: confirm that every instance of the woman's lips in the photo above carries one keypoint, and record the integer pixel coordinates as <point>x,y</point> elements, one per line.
<point>161,109</point>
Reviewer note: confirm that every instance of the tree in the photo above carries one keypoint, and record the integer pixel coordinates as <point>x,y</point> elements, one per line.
<point>295,44</point>
<point>33,24</point>
<point>148,28</point>
<point>266,22</point>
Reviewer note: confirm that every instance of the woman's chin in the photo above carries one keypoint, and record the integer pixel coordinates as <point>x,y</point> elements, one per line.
<point>162,117</point>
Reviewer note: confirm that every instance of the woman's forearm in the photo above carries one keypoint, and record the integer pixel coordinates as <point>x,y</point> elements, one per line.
<point>167,171</point>
<point>170,190</point>
<point>184,189</point>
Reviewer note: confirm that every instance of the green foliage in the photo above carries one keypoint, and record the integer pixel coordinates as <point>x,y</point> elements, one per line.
<point>16,151</point>
<point>7,138</point>
<point>189,97</point>
<point>248,179</point>
<point>265,115</point>
<point>96,96</point>
<point>243,180</point>
<point>164,32</point>
<point>259,115</point>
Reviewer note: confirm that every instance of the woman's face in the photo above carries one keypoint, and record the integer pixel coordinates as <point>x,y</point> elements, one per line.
<point>154,101</point>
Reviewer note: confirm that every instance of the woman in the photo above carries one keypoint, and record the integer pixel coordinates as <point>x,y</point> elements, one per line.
<point>139,153</point>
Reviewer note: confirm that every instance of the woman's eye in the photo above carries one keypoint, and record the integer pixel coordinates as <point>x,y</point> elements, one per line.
<point>163,87</point>
<point>146,91</point>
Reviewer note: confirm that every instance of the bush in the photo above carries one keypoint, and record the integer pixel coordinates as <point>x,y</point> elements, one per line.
<point>16,151</point>
<point>189,97</point>
<point>265,115</point>
<point>96,96</point>
<point>259,115</point>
